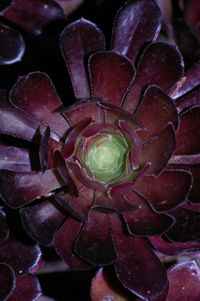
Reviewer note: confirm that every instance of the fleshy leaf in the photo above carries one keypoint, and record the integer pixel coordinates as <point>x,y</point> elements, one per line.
<point>10,116</point>
<point>158,150</point>
<point>94,243</point>
<point>11,253</point>
<point>188,135</point>
<point>156,110</point>
<point>186,83</point>
<point>174,248</point>
<point>167,190</point>
<point>14,158</point>
<point>27,288</point>
<point>106,287</point>
<point>143,221</point>
<point>7,280</point>
<point>106,84</point>
<point>33,15</point>
<point>12,45</point>
<point>41,221</point>
<point>86,38</point>
<point>133,27</point>
<point>161,65</point>
<point>4,231</point>
<point>137,263</point>
<point>36,95</point>
<point>184,282</point>
<point>27,186</point>
<point>64,244</point>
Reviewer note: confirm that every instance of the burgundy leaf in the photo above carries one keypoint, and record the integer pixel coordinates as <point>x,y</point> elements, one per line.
<point>7,280</point>
<point>12,45</point>
<point>174,248</point>
<point>64,244</point>
<point>184,282</point>
<point>27,186</point>
<point>137,263</point>
<point>106,287</point>
<point>71,139</point>
<point>133,27</point>
<point>27,289</point>
<point>187,226</point>
<point>91,110</point>
<point>86,38</point>
<point>64,173</point>
<point>41,221</point>
<point>167,190</point>
<point>156,110</point>
<point>161,65</point>
<point>119,204</point>
<point>10,116</point>
<point>192,12</point>
<point>188,100</point>
<point>43,149</point>
<point>143,221</point>
<point>14,158</point>
<point>80,205</point>
<point>188,135</point>
<point>4,231</point>
<point>36,95</point>
<point>187,82</point>
<point>12,252</point>
<point>33,15</point>
<point>106,84</point>
<point>158,150</point>
<point>94,243</point>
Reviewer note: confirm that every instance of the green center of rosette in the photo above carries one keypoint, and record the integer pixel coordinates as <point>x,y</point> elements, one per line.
<point>106,157</point>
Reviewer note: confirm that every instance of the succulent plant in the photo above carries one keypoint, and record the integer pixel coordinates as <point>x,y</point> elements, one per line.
<point>18,263</point>
<point>115,176</point>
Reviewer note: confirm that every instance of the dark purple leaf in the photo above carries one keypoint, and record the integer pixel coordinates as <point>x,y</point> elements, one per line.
<point>7,280</point>
<point>14,158</point>
<point>80,205</point>
<point>64,173</point>
<point>12,45</point>
<point>36,95</point>
<point>187,82</point>
<point>158,149</point>
<point>89,109</point>
<point>192,98</point>
<point>41,221</point>
<point>64,244</point>
<point>78,41</point>
<point>4,231</point>
<point>137,263</point>
<point>172,248</point>
<point>33,15</point>
<point>10,116</point>
<point>27,186</point>
<point>94,243</point>
<point>167,190</point>
<point>43,149</point>
<point>71,139</point>
<point>22,258</point>
<point>156,110</point>
<point>161,65</point>
<point>110,75</point>
<point>134,27</point>
<point>184,282</point>
<point>143,221</point>
<point>105,287</point>
<point>187,226</point>
<point>27,289</point>
<point>188,135</point>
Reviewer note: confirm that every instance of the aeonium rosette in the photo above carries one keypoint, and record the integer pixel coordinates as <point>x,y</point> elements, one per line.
<point>112,173</point>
